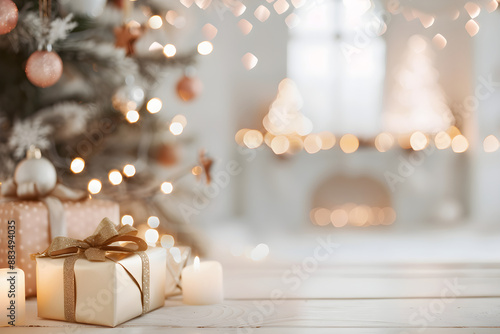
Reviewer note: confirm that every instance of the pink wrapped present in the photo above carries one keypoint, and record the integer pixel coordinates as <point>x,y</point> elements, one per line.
<point>32,232</point>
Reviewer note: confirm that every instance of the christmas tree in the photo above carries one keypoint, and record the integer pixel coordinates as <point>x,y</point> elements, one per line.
<point>418,102</point>
<point>76,82</point>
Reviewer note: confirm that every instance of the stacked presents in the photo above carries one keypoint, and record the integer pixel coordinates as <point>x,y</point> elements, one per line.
<point>87,269</point>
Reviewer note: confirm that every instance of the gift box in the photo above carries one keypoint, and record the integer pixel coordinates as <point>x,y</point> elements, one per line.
<point>100,284</point>
<point>32,232</point>
<point>177,258</point>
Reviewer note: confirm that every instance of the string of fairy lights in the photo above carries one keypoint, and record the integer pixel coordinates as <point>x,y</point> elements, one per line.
<point>288,131</point>
<point>313,143</point>
<point>116,177</point>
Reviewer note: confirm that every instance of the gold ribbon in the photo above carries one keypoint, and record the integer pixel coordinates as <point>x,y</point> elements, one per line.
<point>95,248</point>
<point>11,191</point>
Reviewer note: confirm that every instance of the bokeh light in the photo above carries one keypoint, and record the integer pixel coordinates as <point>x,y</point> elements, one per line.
<point>154,105</point>
<point>339,217</point>
<point>167,187</point>
<point>94,186</point>
<point>321,216</point>
<point>176,128</point>
<point>205,48</point>
<point>209,31</point>
<point>292,20</point>
<point>472,9</point>
<point>238,137</point>
<point>384,141</point>
<point>491,144</point>
<point>196,170</point>
<point>253,139</point>
<point>155,22</point>
<point>132,116</point>
<point>155,46</point>
<point>151,236</point>
<point>312,144</point>
<point>359,215</point>
<point>327,140</point>
<point>280,144</point>
<point>442,140</point>
<point>127,220</point>
<point>167,241</point>
<point>472,27</point>
<point>260,252</point>
<point>169,50</point>
<point>153,222</point>
<point>439,41</point>
<point>249,61</point>
<point>349,143</point>
<point>389,216</point>
<point>262,13</point>
<point>115,177</point>
<point>77,165</point>
<point>245,26</point>
<point>281,6</point>
<point>459,144</point>
<point>129,170</point>
<point>418,141</point>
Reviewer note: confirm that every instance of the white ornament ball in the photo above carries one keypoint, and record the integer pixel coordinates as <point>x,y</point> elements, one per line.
<point>38,172</point>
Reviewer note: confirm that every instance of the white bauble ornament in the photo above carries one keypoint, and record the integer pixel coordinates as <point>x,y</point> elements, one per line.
<point>35,176</point>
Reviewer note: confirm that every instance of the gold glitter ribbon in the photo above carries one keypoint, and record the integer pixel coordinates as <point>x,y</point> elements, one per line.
<point>95,248</point>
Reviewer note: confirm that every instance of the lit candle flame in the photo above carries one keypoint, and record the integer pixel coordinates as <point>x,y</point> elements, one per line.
<point>196,264</point>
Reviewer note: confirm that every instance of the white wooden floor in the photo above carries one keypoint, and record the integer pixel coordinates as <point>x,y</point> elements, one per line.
<point>339,300</point>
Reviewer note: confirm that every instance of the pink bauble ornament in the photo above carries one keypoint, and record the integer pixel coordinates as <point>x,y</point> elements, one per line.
<point>44,68</point>
<point>188,88</point>
<point>8,16</point>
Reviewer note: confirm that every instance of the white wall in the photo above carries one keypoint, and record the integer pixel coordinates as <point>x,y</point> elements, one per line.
<point>486,175</point>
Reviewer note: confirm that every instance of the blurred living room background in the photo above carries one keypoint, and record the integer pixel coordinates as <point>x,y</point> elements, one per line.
<point>415,84</point>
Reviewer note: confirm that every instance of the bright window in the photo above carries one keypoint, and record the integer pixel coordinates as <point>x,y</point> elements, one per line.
<point>337,59</point>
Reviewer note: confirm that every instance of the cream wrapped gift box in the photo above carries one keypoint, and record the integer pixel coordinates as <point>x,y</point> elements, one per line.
<point>108,292</point>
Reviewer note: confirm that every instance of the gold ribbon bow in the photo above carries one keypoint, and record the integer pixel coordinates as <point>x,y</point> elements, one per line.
<point>95,248</point>
<point>10,191</point>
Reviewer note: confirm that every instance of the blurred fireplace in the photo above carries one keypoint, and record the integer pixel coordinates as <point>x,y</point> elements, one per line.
<point>284,193</point>
<point>343,200</point>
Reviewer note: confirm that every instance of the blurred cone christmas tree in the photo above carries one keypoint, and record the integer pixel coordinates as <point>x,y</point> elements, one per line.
<point>418,102</point>
<point>76,82</point>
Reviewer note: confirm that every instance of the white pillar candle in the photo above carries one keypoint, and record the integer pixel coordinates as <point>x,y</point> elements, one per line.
<point>202,283</point>
<point>12,301</point>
